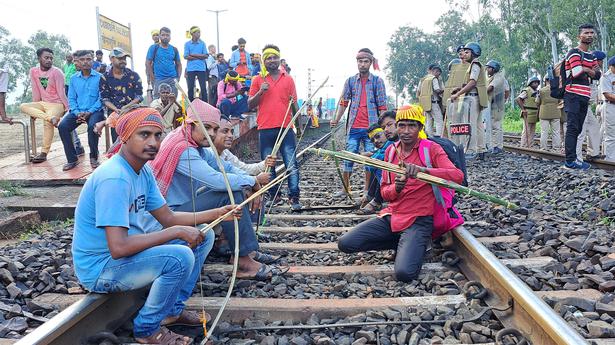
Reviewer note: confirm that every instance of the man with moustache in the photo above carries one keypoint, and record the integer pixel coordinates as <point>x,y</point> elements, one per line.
<point>195,51</point>
<point>163,63</point>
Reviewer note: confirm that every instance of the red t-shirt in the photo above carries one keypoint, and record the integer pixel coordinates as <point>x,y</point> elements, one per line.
<point>242,67</point>
<point>273,104</point>
<point>362,119</point>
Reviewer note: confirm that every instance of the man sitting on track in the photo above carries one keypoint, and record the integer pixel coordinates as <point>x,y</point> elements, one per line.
<point>387,123</point>
<point>407,223</point>
<point>113,252</point>
<point>184,166</point>
<point>223,143</point>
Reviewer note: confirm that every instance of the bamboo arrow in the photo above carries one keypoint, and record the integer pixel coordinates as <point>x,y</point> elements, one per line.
<point>420,176</point>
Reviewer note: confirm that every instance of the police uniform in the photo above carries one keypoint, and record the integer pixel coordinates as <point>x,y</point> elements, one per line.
<point>549,114</point>
<point>591,127</point>
<point>528,96</point>
<point>466,109</point>
<point>607,85</point>
<point>497,108</point>
<point>430,101</point>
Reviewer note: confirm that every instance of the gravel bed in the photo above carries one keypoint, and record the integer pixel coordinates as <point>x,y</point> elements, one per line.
<point>297,286</point>
<point>451,330</point>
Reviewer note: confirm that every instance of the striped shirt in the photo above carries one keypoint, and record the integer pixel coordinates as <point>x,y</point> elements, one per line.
<point>578,81</point>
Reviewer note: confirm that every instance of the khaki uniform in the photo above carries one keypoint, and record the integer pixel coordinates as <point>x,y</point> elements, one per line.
<point>467,109</point>
<point>496,98</point>
<point>591,127</point>
<point>430,101</point>
<point>607,85</point>
<point>549,115</point>
<point>528,96</point>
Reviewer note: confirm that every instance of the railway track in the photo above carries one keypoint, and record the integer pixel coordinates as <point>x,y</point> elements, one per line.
<point>512,145</point>
<point>355,291</point>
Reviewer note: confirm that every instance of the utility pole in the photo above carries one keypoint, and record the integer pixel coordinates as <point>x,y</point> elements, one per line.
<point>310,82</point>
<point>217,27</point>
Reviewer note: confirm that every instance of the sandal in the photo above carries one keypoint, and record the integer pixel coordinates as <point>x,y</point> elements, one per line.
<point>370,208</point>
<point>186,318</point>
<point>265,258</point>
<point>165,337</point>
<point>266,272</point>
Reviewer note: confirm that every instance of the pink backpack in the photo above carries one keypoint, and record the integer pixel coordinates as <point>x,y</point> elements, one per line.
<point>445,216</point>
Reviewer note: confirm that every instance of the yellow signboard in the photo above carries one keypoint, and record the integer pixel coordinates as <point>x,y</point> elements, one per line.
<point>113,34</point>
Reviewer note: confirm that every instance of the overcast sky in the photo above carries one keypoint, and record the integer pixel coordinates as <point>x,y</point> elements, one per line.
<point>317,34</point>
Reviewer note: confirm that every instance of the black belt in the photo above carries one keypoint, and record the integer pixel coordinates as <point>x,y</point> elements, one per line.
<point>531,108</point>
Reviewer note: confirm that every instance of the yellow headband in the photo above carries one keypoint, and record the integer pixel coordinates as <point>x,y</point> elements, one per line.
<point>412,112</point>
<point>229,78</point>
<point>194,29</point>
<point>373,133</point>
<point>267,53</point>
<point>155,32</point>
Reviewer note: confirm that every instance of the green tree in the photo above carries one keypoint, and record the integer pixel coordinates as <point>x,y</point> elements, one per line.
<point>12,53</point>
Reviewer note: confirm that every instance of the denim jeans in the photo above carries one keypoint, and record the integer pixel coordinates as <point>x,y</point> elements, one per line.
<point>68,124</point>
<point>266,139</point>
<point>213,199</point>
<point>190,80</point>
<point>356,136</point>
<point>229,108</point>
<point>172,269</point>
<point>375,234</point>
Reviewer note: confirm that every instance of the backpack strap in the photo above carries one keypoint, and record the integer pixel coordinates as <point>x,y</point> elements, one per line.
<point>424,146</point>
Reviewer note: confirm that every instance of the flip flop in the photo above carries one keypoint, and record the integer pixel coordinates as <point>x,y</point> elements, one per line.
<point>265,258</point>
<point>266,272</point>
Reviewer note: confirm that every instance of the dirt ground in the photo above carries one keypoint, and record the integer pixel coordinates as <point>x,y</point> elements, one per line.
<point>11,137</point>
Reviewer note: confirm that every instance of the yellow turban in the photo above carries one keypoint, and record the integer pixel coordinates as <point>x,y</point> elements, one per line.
<point>412,112</point>
<point>235,78</point>
<point>194,29</point>
<point>155,32</point>
<point>374,132</point>
<point>267,53</point>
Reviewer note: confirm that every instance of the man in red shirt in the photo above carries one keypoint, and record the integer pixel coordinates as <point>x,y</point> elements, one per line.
<point>365,96</point>
<point>272,91</point>
<point>407,223</point>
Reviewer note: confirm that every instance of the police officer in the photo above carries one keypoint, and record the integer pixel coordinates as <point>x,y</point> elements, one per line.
<point>467,100</point>
<point>591,125</point>
<point>549,114</point>
<point>430,98</point>
<point>529,110</point>
<point>607,90</point>
<point>496,91</point>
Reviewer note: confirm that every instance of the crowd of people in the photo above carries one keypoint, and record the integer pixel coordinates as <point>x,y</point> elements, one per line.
<point>86,91</point>
<point>164,177</point>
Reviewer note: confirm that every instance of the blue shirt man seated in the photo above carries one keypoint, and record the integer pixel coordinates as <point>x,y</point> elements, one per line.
<point>112,251</point>
<point>85,107</point>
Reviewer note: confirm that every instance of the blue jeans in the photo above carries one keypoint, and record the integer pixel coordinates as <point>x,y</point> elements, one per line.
<point>68,124</point>
<point>266,138</point>
<point>356,136</point>
<point>229,108</point>
<point>212,199</point>
<point>172,269</point>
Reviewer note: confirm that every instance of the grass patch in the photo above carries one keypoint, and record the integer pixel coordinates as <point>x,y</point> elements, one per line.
<point>11,189</point>
<point>44,227</point>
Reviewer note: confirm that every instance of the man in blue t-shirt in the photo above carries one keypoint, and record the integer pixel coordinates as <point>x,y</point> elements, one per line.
<point>163,63</point>
<point>113,252</point>
<point>195,52</point>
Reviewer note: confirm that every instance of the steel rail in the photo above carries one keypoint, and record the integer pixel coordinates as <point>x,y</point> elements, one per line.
<point>598,163</point>
<point>529,313</point>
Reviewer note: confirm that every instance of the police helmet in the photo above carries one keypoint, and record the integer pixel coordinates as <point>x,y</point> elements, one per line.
<point>454,61</point>
<point>533,79</point>
<point>459,48</point>
<point>474,47</point>
<point>495,65</point>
